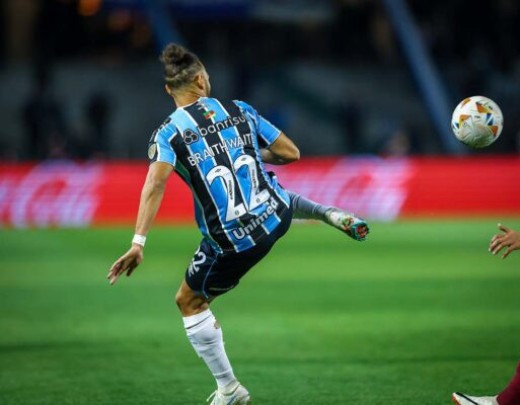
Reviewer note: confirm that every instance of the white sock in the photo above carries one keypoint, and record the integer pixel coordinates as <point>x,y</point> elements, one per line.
<point>205,335</point>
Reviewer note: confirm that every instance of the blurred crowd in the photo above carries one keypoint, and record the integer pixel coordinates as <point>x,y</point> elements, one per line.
<point>475,46</point>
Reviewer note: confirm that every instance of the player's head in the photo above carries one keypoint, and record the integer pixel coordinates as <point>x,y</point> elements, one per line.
<point>184,72</point>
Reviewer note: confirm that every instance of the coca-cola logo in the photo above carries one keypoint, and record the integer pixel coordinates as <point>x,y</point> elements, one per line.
<point>51,194</point>
<point>372,188</point>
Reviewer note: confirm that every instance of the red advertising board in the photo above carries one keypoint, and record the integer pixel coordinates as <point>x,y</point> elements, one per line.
<point>62,193</point>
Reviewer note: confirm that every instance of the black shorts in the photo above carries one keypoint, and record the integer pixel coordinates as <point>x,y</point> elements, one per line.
<point>211,273</point>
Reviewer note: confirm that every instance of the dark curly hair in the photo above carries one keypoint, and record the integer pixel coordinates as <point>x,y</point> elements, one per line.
<point>180,66</point>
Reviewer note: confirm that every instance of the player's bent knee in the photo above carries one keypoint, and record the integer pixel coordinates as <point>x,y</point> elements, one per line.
<point>189,303</point>
<point>179,300</point>
<point>182,300</point>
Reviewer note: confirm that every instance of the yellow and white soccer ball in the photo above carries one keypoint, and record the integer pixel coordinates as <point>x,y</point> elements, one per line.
<point>477,121</point>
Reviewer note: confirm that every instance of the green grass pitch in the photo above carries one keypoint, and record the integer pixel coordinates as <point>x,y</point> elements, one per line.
<point>419,310</point>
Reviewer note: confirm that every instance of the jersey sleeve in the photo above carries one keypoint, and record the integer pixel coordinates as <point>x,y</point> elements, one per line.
<point>160,148</point>
<point>267,133</point>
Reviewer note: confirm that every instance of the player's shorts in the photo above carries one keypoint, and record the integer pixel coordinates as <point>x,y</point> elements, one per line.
<point>211,273</point>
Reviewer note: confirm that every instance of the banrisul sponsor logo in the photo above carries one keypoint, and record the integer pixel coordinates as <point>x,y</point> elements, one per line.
<point>190,136</point>
<point>214,127</point>
<point>221,125</point>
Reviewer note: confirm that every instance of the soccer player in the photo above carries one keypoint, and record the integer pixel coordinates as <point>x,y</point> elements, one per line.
<point>510,241</point>
<point>219,147</point>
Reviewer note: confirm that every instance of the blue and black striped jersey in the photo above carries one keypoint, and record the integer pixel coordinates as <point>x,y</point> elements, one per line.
<point>214,146</point>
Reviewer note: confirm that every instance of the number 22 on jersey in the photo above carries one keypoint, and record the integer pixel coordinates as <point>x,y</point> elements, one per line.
<point>228,177</point>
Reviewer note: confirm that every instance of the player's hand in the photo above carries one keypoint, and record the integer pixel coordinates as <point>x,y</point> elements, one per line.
<point>509,239</point>
<point>126,263</point>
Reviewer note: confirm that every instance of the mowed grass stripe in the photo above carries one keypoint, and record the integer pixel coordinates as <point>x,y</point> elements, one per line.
<point>418,311</point>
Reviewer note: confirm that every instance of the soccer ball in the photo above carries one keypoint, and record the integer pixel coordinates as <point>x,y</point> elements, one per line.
<point>477,121</point>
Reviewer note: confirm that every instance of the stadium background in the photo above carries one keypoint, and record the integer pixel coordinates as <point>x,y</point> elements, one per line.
<point>366,89</point>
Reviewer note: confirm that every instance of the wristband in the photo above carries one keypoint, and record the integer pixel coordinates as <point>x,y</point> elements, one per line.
<point>139,239</point>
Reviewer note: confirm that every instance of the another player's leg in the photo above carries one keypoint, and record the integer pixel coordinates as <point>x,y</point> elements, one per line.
<point>509,396</point>
<point>205,335</point>
<point>303,208</point>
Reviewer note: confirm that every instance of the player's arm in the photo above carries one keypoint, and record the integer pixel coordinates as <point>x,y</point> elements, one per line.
<point>509,239</point>
<point>151,197</point>
<point>275,147</point>
<point>281,151</point>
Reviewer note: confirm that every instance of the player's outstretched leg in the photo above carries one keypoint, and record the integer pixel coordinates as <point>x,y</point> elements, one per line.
<point>463,399</point>
<point>205,335</point>
<point>303,208</point>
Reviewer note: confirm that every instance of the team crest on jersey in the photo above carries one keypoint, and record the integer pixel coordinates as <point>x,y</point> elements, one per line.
<point>189,136</point>
<point>152,149</point>
<point>209,114</point>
